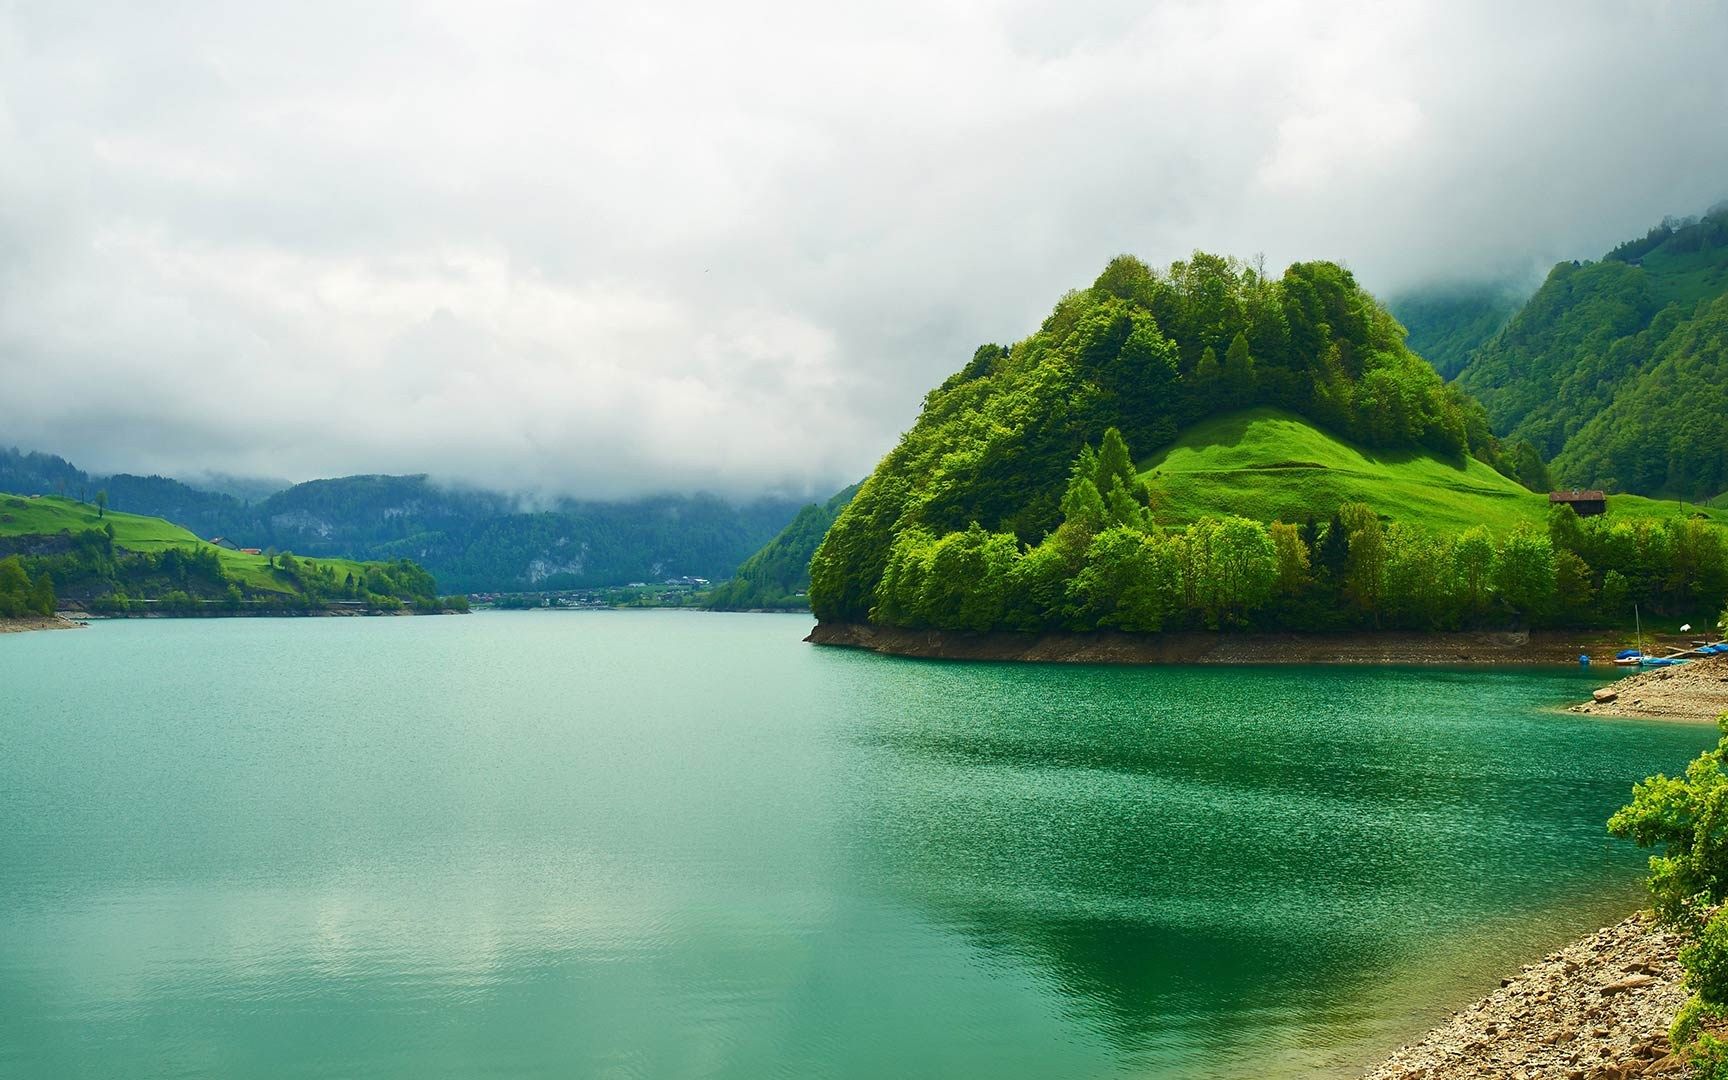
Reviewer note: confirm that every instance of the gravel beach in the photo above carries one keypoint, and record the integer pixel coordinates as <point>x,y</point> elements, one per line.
<point>1599,1009</point>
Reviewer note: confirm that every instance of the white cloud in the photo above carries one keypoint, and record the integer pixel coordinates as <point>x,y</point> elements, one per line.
<point>602,249</point>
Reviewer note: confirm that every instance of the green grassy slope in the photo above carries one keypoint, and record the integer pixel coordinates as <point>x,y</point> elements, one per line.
<point>47,515</point>
<point>1271,465</point>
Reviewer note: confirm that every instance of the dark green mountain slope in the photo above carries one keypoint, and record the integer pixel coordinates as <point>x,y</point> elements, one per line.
<point>478,541</point>
<point>1448,324</point>
<point>1595,332</point>
<point>1667,430</point>
<point>778,576</point>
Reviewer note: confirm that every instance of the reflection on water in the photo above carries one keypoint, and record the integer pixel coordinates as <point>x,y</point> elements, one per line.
<point>672,845</point>
<point>1188,853</point>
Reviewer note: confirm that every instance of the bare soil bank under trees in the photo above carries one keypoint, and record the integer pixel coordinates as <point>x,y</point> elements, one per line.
<point>1206,647</point>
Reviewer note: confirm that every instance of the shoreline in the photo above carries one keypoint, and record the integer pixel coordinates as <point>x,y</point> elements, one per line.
<point>279,613</point>
<point>38,622</point>
<point>1511,647</point>
<point>1693,692</point>
<point>1598,1008</point>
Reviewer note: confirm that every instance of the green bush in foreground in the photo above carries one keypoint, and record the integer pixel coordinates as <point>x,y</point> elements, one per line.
<point>1687,817</point>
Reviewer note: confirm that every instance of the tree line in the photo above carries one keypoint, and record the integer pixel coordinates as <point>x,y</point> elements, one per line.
<point>1108,565</point>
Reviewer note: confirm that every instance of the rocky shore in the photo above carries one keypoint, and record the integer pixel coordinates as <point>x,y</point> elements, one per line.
<point>37,622</point>
<point>1695,690</point>
<point>1598,1009</point>
<point>1205,647</point>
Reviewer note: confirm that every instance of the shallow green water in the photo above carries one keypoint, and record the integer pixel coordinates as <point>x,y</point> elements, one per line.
<point>683,845</point>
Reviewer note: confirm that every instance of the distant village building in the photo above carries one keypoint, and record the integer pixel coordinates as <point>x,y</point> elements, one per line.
<point>224,543</point>
<point>1584,503</point>
<point>251,551</point>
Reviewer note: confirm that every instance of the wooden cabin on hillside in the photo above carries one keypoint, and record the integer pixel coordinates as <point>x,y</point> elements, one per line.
<point>1584,503</point>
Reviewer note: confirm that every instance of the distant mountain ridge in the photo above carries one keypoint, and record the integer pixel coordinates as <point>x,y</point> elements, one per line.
<point>778,576</point>
<point>1617,370</point>
<point>1449,323</point>
<point>472,541</point>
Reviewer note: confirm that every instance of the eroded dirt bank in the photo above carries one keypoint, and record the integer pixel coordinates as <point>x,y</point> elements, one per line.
<point>1203,647</point>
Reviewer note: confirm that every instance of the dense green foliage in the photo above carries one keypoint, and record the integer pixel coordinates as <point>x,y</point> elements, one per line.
<point>471,540</point>
<point>778,576</point>
<point>1110,565</point>
<point>1615,369</point>
<point>117,562</point>
<point>1667,431</point>
<point>19,595</point>
<point>986,468</point>
<point>1684,818</point>
<point>1447,324</point>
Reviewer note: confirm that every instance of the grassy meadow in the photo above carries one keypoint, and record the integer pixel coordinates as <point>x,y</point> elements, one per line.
<point>1274,466</point>
<point>50,514</point>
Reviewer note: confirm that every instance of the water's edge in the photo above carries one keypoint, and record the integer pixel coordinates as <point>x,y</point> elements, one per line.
<point>1604,1001</point>
<point>1208,647</point>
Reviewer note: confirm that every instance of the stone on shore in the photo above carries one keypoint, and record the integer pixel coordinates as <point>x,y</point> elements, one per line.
<point>1695,690</point>
<point>1598,1009</point>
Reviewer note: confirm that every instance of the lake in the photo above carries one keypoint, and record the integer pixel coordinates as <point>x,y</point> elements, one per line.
<point>674,844</point>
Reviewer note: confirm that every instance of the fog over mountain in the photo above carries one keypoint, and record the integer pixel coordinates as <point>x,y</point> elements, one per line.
<point>607,250</point>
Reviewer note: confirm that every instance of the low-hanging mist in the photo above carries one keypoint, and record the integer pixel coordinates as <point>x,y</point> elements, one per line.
<point>604,252</point>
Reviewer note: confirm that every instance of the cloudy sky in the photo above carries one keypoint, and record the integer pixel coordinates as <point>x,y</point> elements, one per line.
<point>601,249</point>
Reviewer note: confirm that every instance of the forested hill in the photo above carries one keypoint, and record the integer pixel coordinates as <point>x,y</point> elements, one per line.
<point>778,576</point>
<point>473,541</point>
<point>1301,469</point>
<point>1149,354</point>
<point>206,513</point>
<point>1616,370</point>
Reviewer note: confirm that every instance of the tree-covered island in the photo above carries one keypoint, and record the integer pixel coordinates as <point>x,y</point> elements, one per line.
<point>1304,470</point>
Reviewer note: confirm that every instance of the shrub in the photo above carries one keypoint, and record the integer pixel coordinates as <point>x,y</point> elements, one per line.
<point>1687,817</point>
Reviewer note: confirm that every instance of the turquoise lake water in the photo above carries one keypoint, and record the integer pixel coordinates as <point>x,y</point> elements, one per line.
<point>669,844</point>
